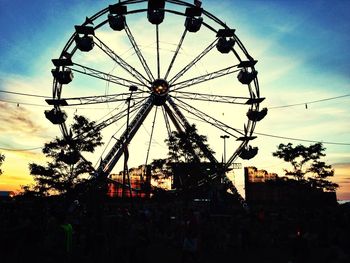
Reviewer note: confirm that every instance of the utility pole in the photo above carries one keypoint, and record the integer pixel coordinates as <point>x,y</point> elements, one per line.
<point>224,137</point>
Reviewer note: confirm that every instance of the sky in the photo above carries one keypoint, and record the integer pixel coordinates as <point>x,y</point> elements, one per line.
<point>302,53</point>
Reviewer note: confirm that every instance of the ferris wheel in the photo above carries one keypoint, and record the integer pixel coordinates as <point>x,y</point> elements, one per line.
<point>153,67</point>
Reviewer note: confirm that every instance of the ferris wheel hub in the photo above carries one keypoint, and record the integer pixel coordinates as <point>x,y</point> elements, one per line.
<point>160,90</point>
<point>160,87</point>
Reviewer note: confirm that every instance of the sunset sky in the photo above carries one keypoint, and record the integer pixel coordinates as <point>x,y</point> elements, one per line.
<point>302,48</point>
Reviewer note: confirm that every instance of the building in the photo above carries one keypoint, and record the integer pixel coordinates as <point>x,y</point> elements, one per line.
<point>187,175</point>
<point>182,176</point>
<point>140,180</point>
<point>258,176</point>
<point>263,188</point>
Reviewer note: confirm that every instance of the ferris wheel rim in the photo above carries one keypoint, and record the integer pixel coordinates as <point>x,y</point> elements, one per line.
<point>250,125</point>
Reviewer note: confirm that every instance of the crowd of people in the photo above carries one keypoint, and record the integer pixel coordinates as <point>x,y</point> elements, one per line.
<point>131,231</point>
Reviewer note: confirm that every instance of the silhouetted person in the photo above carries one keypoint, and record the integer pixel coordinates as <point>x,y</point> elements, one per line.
<point>60,239</point>
<point>300,247</point>
<point>190,247</point>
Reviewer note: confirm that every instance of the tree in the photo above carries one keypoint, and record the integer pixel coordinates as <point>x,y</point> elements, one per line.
<point>183,146</point>
<point>66,167</point>
<point>160,170</point>
<point>306,160</point>
<point>2,159</point>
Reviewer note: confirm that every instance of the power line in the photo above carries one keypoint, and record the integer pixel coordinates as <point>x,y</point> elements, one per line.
<point>259,133</point>
<point>25,94</point>
<point>263,134</point>
<point>24,103</point>
<point>20,150</point>
<point>282,137</point>
<point>309,102</point>
<point>302,140</point>
<point>273,107</point>
<point>47,106</point>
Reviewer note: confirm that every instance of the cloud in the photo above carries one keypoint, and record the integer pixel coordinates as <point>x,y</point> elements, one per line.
<point>26,154</point>
<point>14,183</point>
<point>342,165</point>
<point>23,122</point>
<point>342,171</point>
<point>17,119</point>
<point>344,181</point>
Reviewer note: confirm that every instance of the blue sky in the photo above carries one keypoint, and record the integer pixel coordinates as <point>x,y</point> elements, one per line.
<point>301,46</point>
<point>323,26</point>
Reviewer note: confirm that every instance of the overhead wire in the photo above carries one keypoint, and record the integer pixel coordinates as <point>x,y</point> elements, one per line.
<point>286,138</point>
<point>309,102</point>
<point>18,103</point>
<point>24,94</point>
<point>262,134</point>
<point>302,140</point>
<point>20,150</point>
<point>46,106</point>
<point>24,103</point>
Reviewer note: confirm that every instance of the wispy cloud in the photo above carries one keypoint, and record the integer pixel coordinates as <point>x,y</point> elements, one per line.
<point>16,119</point>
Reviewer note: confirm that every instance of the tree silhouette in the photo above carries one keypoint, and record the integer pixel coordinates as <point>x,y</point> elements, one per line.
<point>183,146</point>
<point>306,160</point>
<point>2,159</point>
<point>66,167</point>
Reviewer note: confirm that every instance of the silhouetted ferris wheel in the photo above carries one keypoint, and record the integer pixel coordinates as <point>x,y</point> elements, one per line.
<point>168,57</point>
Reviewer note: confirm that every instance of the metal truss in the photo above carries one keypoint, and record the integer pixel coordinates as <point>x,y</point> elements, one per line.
<point>208,119</point>
<point>117,150</point>
<point>177,123</point>
<point>187,125</point>
<point>158,57</point>
<point>173,119</point>
<point>205,77</point>
<point>138,53</point>
<point>121,62</point>
<point>105,76</point>
<point>92,99</point>
<point>193,62</point>
<point>167,123</point>
<point>176,53</point>
<point>211,98</point>
<point>120,115</point>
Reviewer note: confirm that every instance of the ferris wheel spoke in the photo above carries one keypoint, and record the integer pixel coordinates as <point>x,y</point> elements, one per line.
<point>215,98</point>
<point>112,157</point>
<point>105,76</point>
<point>138,53</point>
<point>151,135</point>
<point>176,53</point>
<point>158,58</point>
<point>193,62</point>
<point>110,120</point>
<point>173,118</point>
<point>166,120</point>
<point>121,62</point>
<point>92,99</point>
<point>208,154</point>
<point>205,77</point>
<point>209,119</point>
